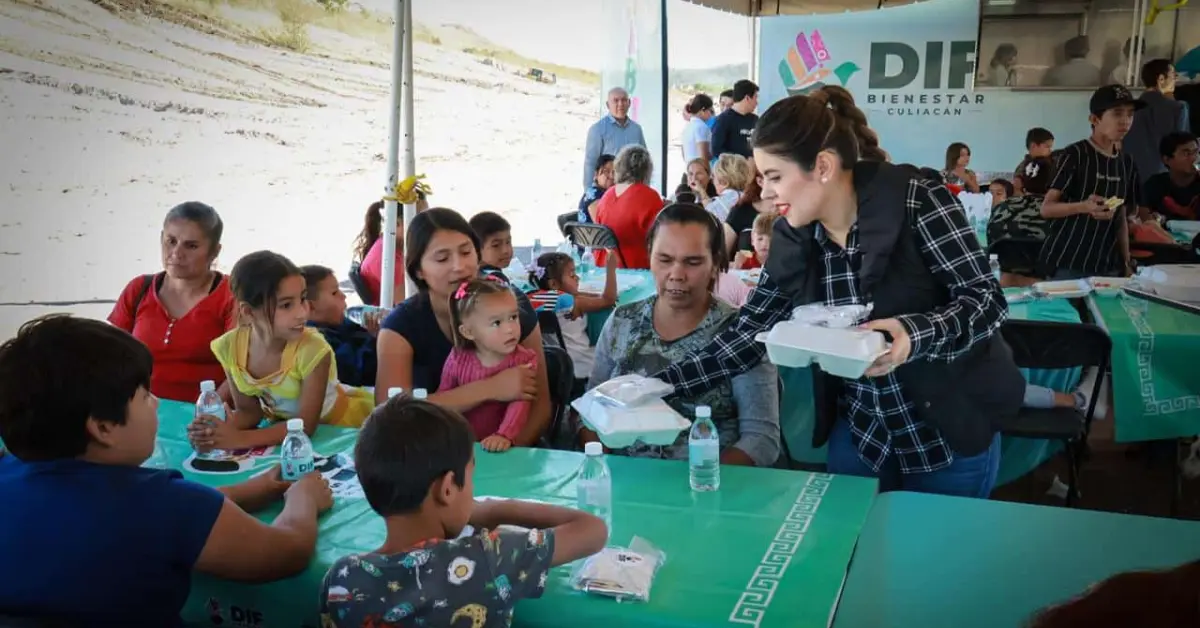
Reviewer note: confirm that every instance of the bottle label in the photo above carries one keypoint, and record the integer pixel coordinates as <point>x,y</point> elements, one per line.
<point>704,453</point>
<point>295,469</point>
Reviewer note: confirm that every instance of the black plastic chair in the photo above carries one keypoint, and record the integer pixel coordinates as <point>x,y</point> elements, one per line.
<point>593,236</point>
<point>548,322</point>
<point>360,286</point>
<point>1049,345</point>
<point>566,219</point>
<point>1018,255</point>
<point>560,372</point>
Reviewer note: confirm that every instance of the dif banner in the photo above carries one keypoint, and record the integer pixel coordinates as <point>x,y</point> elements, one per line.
<point>911,69</point>
<point>633,59</point>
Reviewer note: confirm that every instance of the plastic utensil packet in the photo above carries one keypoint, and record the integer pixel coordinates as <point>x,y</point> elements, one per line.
<point>835,316</point>
<point>631,390</point>
<point>621,573</point>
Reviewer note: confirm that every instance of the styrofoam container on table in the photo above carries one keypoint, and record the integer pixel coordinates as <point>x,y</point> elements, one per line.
<point>651,422</point>
<point>1066,289</point>
<point>1180,282</point>
<point>845,352</point>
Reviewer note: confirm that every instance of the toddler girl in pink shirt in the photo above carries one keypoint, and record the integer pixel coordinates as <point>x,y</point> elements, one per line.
<point>487,335</point>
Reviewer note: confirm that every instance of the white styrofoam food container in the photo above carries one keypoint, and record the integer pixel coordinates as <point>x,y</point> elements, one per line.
<point>652,422</point>
<point>842,352</point>
<point>1180,282</point>
<point>1068,289</point>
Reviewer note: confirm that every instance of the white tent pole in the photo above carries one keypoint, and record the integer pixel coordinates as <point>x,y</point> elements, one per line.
<point>1135,68</point>
<point>387,288</point>
<point>410,155</point>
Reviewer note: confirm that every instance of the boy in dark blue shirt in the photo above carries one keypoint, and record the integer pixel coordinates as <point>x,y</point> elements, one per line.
<point>416,464</point>
<point>353,345</point>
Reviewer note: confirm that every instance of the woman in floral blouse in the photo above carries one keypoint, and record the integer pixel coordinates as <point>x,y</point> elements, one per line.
<point>686,247</point>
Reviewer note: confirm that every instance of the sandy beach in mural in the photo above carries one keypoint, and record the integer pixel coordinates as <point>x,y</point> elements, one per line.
<point>115,110</point>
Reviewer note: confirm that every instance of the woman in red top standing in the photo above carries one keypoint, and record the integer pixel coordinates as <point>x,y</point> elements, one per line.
<point>179,312</point>
<point>630,207</point>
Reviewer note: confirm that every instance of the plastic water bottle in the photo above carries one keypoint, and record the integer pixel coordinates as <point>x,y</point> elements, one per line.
<point>420,394</point>
<point>536,253</point>
<point>704,452</point>
<point>296,453</point>
<point>565,248</point>
<point>994,262</point>
<point>358,313</point>
<point>593,485</point>
<point>395,391</point>
<point>210,404</point>
<point>586,263</point>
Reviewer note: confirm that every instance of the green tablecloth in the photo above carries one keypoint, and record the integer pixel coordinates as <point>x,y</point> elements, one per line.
<point>947,562</point>
<point>728,553</point>
<point>1155,381</point>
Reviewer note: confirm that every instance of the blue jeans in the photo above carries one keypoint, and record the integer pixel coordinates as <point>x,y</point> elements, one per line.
<point>973,476</point>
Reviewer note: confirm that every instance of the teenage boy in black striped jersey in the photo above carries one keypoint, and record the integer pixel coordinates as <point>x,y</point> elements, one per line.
<point>1095,186</point>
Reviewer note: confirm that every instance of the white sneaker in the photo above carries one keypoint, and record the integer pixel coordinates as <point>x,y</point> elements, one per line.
<point>1083,394</point>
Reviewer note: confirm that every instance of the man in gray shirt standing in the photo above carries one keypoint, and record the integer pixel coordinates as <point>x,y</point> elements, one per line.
<point>610,134</point>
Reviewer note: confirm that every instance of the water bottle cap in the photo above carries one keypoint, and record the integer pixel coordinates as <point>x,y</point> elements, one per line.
<point>994,256</point>
<point>395,391</point>
<point>594,448</point>
<point>703,412</point>
<point>295,425</point>
<point>208,386</point>
<point>420,393</point>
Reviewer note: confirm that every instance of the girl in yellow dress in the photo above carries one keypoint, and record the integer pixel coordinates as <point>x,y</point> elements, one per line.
<point>278,368</point>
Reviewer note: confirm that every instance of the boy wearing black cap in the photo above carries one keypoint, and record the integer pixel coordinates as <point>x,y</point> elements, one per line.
<point>1094,187</point>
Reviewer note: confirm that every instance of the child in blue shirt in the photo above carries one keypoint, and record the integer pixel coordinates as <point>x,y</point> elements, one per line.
<point>353,345</point>
<point>445,557</point>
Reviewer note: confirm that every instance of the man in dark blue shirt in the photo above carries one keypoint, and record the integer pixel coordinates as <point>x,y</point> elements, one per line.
<point>731,131</point>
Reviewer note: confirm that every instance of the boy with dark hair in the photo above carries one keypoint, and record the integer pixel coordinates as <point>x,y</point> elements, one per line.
<point>1019,219</point>
<point>495,242</point>
<point>1039,144</point>
<point>91,537</point>
<point>353,344</point>
<point>416,463</point>
<point>731,132</point>
<point>1095,185</point>
<point>1001,189</point>
<point>1175,194</point>
<point>1161,116</point>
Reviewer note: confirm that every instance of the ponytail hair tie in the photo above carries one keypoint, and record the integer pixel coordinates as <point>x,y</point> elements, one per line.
<point>462,291</point>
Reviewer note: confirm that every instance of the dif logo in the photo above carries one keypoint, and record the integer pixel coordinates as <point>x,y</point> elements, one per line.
<point>954,62</point>
<point>237,617</point>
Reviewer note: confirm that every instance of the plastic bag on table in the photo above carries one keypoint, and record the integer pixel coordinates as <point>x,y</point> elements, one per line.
<point>631,390</point>
<point>834,316</point>
<point>619,572</point>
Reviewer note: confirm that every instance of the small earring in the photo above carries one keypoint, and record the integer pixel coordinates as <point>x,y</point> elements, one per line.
<point>824,180</point>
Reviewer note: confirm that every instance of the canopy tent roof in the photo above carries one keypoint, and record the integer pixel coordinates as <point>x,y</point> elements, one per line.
<point>795,7</point>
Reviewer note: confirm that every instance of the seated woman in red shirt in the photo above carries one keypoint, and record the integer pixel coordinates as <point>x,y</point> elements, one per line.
<point>179,312</point>
<point>630,207</point>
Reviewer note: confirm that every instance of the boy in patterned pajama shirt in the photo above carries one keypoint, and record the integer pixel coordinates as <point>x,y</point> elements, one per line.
<point>416,464</point>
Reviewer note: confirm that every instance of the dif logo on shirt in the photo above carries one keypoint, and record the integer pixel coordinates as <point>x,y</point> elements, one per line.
<point>237,617</point>
<point>809,65</point>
